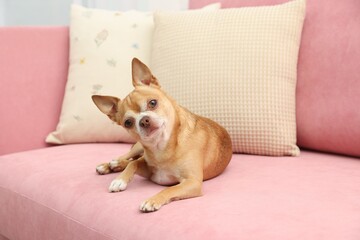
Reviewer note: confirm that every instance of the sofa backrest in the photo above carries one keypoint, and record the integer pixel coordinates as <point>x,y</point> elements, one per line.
<point>328,86</point>
<point>33,73</point>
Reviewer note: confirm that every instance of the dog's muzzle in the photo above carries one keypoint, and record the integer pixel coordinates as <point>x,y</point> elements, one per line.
<point>145,122</point>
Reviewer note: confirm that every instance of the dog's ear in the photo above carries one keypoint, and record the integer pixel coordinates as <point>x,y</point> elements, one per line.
<point>141,75</point>
<point>107,105</point>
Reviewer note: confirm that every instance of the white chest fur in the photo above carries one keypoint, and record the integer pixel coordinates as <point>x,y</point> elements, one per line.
<point>163,176</point>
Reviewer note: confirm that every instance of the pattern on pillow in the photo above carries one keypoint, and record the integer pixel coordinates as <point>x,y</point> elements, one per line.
<point>102,44</point>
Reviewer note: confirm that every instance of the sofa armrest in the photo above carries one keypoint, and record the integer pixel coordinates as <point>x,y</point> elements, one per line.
<point>33,73</point>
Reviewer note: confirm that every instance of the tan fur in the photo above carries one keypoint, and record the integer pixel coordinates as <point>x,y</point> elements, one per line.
<point>175,147</point>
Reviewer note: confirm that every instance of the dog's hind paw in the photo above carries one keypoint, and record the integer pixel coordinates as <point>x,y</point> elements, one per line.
<point>103,169</point>
<point>117,185</point>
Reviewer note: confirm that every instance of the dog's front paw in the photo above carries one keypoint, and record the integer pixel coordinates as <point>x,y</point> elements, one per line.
<point>118,165</point>
<point>103,169</point>
<point>117,185</point>
<point>151,205</point>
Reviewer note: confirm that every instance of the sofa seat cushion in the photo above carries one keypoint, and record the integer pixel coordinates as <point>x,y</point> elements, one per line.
<point>54,193</point>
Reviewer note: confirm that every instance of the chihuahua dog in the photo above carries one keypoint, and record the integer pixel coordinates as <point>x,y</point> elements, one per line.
<point>174,146</point>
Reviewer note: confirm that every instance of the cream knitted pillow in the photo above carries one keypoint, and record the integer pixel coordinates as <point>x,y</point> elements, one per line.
<point>236,66</point>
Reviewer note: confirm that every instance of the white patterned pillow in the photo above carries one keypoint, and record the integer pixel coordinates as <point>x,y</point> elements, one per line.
<point>236,66</point>
<point>102,45</point>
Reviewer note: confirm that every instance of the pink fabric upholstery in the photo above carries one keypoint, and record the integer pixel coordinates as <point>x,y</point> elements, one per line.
<point>3,238</point>
<point>33,72</point>
<point>328,90</point>
<point>54,193</point>
<point>34,61</point>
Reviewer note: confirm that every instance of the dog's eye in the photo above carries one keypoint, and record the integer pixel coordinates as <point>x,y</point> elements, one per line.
<point>152,104</point>
<point>128,123</point>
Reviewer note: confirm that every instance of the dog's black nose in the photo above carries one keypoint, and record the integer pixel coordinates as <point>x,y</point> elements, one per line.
<point>145,122</point>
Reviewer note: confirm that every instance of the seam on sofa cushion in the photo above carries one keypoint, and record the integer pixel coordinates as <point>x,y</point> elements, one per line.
<point>58,212</point>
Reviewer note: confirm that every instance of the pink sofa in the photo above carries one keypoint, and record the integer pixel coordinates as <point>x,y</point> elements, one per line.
<point>53,192</point>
